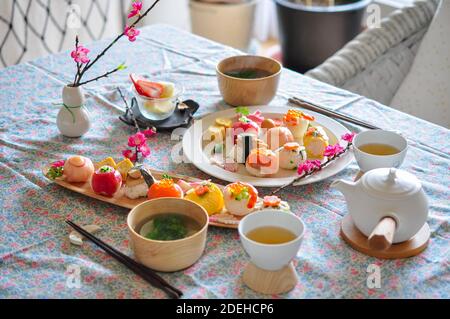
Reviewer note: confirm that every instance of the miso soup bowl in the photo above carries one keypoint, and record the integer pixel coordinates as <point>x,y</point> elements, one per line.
<point>267,256</point>
<point>170,255</point>
<point>246,92</point>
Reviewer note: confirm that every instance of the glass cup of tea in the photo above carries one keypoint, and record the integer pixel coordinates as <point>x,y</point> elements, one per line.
<point>271,239</point>
<point>379,149</point>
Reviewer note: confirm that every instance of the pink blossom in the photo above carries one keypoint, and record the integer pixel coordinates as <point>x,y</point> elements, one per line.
<point>137,139</point>
<point>130,155</point>
<point>131,33</point>
<point>137,7</point>
<point>79,55</point>
<point>333,150</point>
<point>144,149</point>
<point>58,163</point>
<point>308,166</point>
<point>348,137</point>
<point>256,117</point>
<point>316,163</point>
<point>149,132</point>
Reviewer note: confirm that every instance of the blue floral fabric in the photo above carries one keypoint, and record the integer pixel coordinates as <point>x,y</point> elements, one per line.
<point>37,260</point>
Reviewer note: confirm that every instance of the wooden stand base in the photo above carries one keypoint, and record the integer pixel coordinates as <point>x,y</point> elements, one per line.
<point>359,242</point>
<point>270,282</point>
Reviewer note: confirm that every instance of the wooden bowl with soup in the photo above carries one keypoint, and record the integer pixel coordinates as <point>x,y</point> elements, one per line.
<point>248,80</point>
<point>168,234</point>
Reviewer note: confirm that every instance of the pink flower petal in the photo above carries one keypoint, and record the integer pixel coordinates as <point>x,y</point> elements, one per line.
<point>149,132</point>
<point>79,55</point>
<point>333,150</point>
<point>131,33</point>
<point>316,163</point>
<point>348,137</point>
<point>144,149</point>
<point>130,155</point>
<point>133,13</point>
<point>127,153</point>
<point>308,166</point>
<point>58,163</point>
<point>137,139</point>
<point>131,142</point>
<point>137,5</point>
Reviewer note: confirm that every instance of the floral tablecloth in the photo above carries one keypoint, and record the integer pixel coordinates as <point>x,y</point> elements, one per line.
<point>37,260</point>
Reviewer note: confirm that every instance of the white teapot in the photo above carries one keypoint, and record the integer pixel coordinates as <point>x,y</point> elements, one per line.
<point>387,205</point>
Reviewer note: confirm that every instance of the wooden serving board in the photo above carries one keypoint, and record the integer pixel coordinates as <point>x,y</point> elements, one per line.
<point>120,199</point>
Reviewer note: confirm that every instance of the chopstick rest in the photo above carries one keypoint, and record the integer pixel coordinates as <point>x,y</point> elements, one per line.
<point>144,272</point>
<point>77,239</point>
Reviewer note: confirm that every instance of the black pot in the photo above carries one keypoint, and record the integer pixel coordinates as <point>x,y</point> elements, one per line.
<point>311,34</point>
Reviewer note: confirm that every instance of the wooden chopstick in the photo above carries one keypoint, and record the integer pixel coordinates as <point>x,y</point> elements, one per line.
<point>146,273</point>
<point>331,113</point>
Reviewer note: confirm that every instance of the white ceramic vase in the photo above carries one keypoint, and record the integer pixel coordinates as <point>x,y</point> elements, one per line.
<point>73,119</point>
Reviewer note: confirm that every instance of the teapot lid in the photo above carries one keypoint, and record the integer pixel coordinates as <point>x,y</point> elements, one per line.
<point>390,183</point>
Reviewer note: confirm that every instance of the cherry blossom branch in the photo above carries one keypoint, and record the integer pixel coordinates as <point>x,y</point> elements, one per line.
<point>129,109</point>
<point>101,54</point>
<point>333,152</point>
<point>77,41</point>
<point>120,67</point>
<point>139,140</point>
<point>313,170</point>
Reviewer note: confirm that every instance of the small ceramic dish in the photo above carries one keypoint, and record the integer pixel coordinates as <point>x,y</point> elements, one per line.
<point>158,109</point>
<point>170,255</point>
<point>179,118</point>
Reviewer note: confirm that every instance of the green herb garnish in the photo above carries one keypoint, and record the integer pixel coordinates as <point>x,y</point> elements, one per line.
<point>246,74</point>
<point>242,110</point>
<point>55,172</point>
<point>168,227</point>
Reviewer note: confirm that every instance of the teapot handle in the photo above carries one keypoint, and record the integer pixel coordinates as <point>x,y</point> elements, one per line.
<point>383,234</point>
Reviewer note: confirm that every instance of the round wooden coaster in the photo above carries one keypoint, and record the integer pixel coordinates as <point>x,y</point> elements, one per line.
<point>359,242</point>
<point>270,282</point>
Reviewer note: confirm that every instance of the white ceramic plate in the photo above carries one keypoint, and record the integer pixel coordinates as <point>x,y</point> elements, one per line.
<point>197,155</point>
